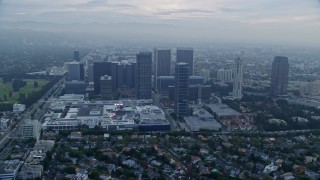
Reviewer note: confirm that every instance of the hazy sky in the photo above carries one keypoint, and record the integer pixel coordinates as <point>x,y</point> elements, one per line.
<point>287,20</point>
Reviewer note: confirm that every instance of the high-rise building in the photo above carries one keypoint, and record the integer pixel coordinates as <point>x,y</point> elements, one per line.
<point>279,76</point>
<point>100,68</point>
<point>126,75</point>
<point>106,87</point>
<point>162,62</point>
<point>90,72</point>
<point>76,56</point>
<point>81,72</point>
<point>225,75</point>
<point>75,70</point>
<point>181,89</point>
<point>163,83</point>
<point>238,78</point>
<point>144,67</point>
<point>186,55</point>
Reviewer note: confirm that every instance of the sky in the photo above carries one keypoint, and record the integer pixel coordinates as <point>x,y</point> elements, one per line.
<point>295,21</point>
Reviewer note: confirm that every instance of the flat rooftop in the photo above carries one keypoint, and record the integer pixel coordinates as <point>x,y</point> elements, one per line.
<point>10,166</point>
<point>90,111</point>
<point>223,110</point>
<point>202,113</point>
<point>193,121</point>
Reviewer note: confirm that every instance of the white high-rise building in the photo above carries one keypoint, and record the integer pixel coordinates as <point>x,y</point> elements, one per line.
<point>238,78</point>
<point>225,75</point>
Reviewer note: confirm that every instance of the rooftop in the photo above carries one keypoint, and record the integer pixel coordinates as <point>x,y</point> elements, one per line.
<point>196,124</point>
<point>223,110</point>
<point>10,166</point>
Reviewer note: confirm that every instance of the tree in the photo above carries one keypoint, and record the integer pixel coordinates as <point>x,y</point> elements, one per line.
<point>70,170</point>
<point>22,97</point>
<point>17,84</point>
<point>35,84</point>
<point>94,174</point>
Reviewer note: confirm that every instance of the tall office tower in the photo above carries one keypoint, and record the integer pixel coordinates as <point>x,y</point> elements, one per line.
<point>130,75</point>
<point>238,78</point>
<point>75,70</point>
<point>279,76</point>
<point>106,87</point>
<point>162,62</point>
<point>100,68</point>
<point>181,91</point>
<point>186,55</point>
<point>81,72</point>
<point>90,72</point>
<point>126,75</point>
<point>76,56</point>
<point>144,67</point>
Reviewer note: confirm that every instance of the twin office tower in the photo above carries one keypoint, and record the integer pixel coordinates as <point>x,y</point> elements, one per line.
<point>138,75</point>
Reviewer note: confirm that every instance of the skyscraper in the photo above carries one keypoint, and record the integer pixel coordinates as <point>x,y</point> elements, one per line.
<point>81,72</point>
<point>279,76</point>
<point>106,87</point>
<point>162,62</point>
<point>144,67</point>
<point>181,89</point>
<point>100,68</point>
<point>237,81</point>
<point>76,56</point>
<point>186,55</point>
<point>75,70</point>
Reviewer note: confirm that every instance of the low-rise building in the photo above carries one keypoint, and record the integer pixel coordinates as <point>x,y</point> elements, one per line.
<point>223,111</point>
<point>4,123</point>
<point>75,87</point>
<point>152,118</point>
<point>31,129</point>
<point>9,169</point>
<point>196,124</point>
<point>44,145</point>
<point>30,171</point>
<point>18,108</point>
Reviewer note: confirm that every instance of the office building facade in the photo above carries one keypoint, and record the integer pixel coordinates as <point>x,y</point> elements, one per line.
<point>238,79</point>
<point>186,55</point>
<point>279,76</point>
<point>144,68</point>
<point>162,62</point>
<point>75,70</point>
<point>31,129</point>
<point>106,87</point>
<point>163,83</point>
<point>100,68</point>
<point>181,98</point>
<point>76,56</point>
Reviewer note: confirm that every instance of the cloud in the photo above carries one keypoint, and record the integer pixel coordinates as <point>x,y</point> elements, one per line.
<point>244,11</point>
<point>184,12</point>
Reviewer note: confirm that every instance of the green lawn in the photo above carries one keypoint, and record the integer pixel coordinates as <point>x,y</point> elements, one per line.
<point>28,89</point>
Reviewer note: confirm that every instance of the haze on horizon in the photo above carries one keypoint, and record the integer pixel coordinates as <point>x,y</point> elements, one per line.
<point>265,21</point>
